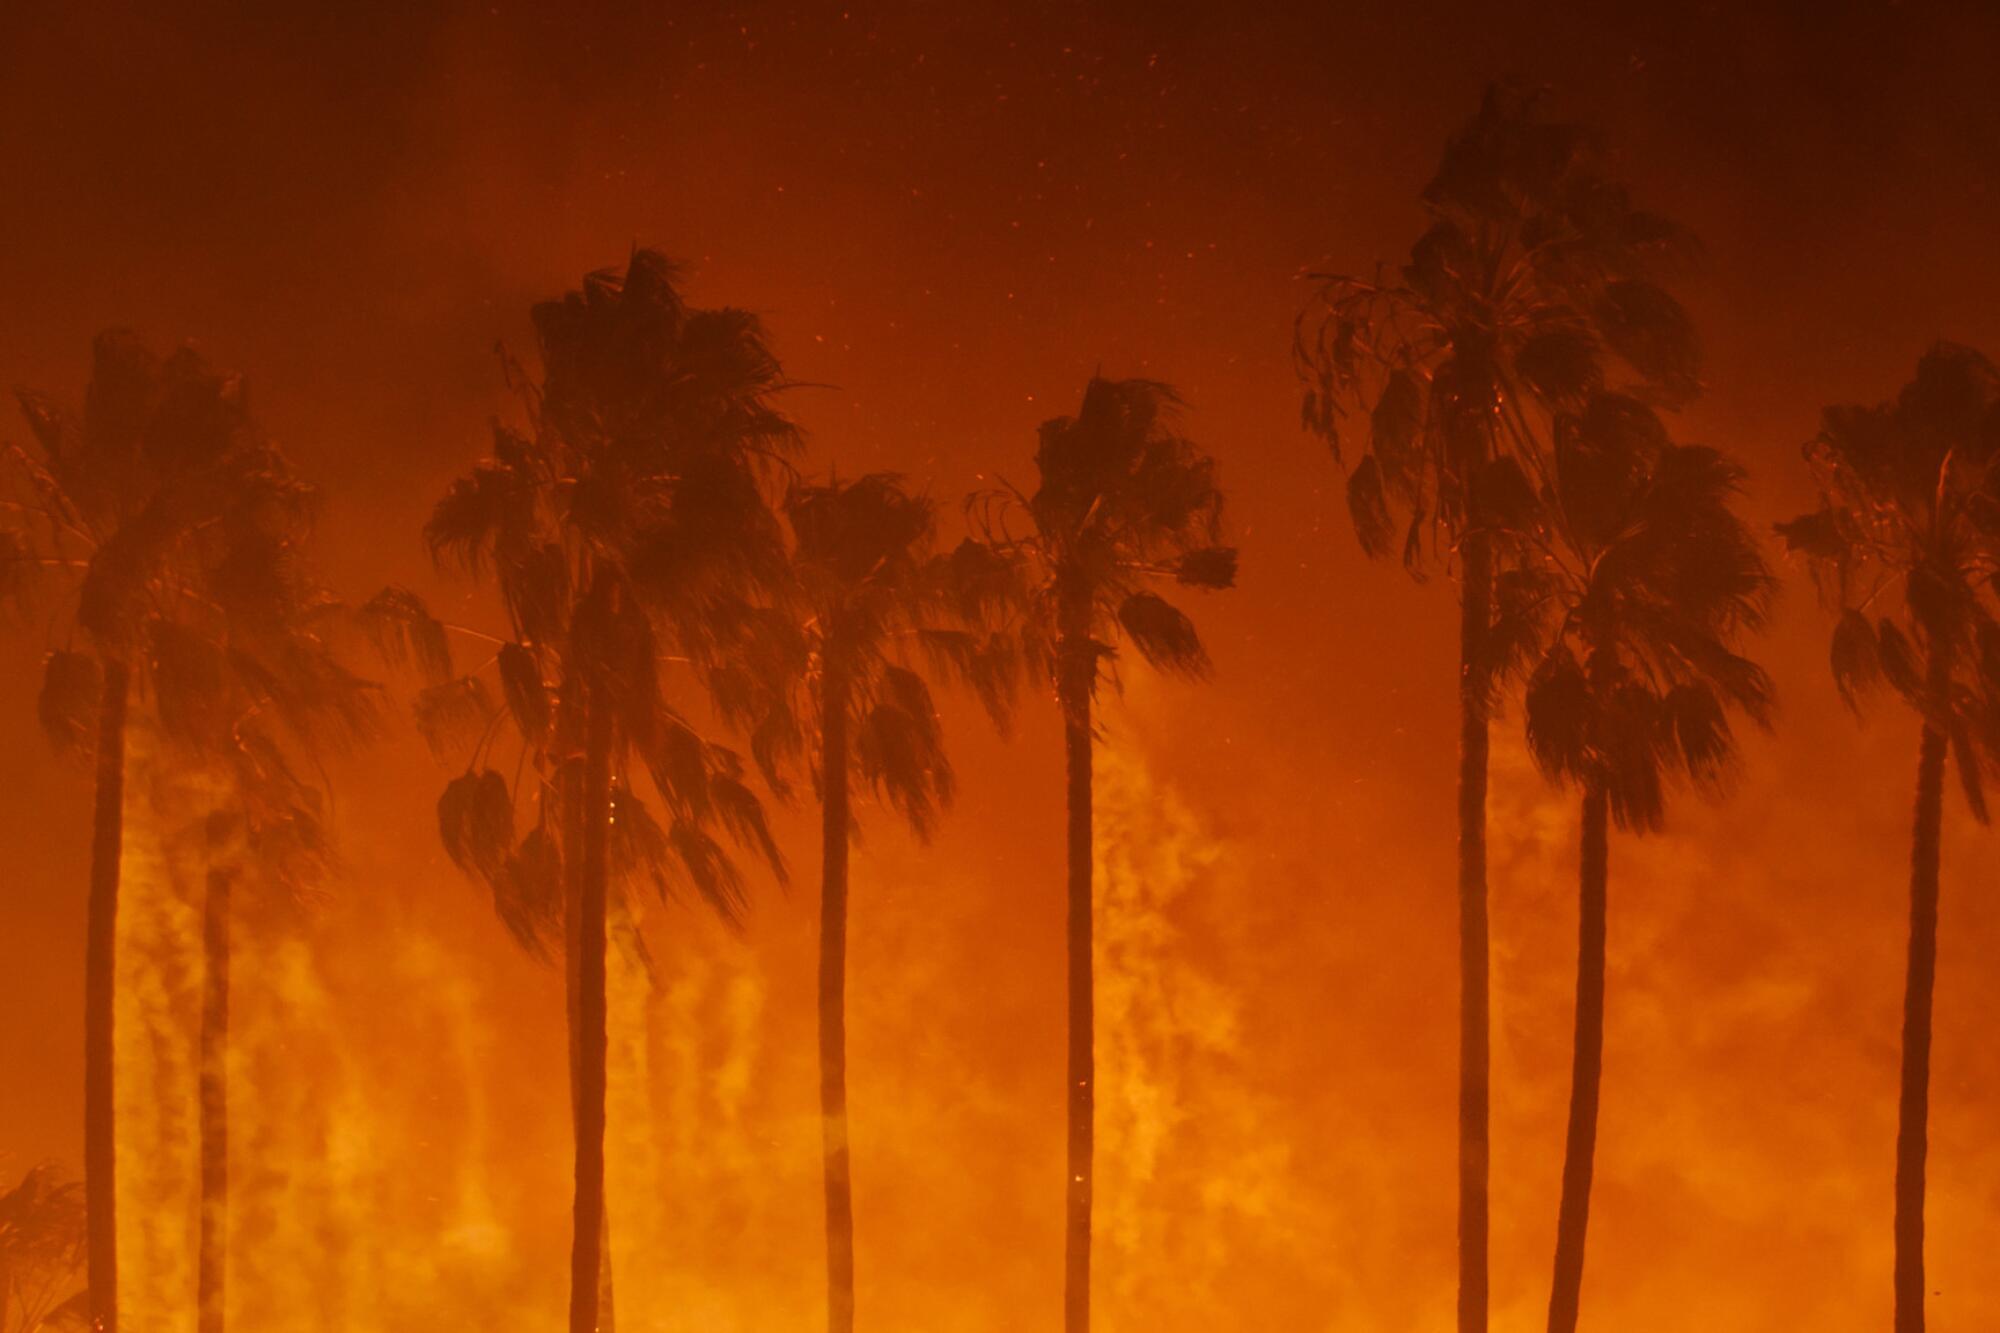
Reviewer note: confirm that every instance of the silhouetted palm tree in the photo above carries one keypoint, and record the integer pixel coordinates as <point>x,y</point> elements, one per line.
<point>41,1249</point>
<point>1633,610</point>
<point>873,596</point>
<point>249,685</point>
<point>1125,502</point>
<point>150,497</point>
<point>1904,545</point>
<point>627,524</point>
<point>1535,278</point>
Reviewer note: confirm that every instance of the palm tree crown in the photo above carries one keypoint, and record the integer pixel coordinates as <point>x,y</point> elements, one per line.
<point>1649,584</point>
<point>626,528</point>
<point>183,526</point>
<point>1905,545</point>
<point>1126,502</point>
<point>877,599</point>
<point>1536,277</point>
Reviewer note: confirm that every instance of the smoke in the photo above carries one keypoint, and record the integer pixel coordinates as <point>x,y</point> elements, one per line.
<point>1192,1182</point>
<point>158,975</point>
<point>1275,1041</point>
<point>363,1193</point>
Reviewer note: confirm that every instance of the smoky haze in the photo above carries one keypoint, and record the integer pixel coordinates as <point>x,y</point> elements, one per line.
<point>949,217</point>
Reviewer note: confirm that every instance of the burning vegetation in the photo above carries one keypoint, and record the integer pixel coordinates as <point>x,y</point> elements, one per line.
<point>754,1043</point>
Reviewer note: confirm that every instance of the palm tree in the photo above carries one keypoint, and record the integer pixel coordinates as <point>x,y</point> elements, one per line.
<point>41,1249</point>
<point>1125,501</point>
<point>626,527</point>
<point>1633,609</point>
<point>146,498</point>
<point>871,591</point>
<point>250,687</point>
<point>1535,276</point>
<point>1903,546</point>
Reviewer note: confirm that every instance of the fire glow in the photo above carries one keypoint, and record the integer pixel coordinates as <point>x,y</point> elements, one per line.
<point>979,247</point>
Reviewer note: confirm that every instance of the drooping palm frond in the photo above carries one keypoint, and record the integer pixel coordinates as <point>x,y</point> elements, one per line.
<point>41,1250</point>
<point>1125,502</point>
<point>454,714</point>
<point>899,750</point>
<point>72,687</point>
<point>190,532</point>
<point>529,702</point>
<point>1904,544</point>
<point>1163,634</point>
<point>628,524</point>
<point>1536,283</point>
<point>404,631</point>
<point>1638,605</point>
<point>476,822</point>
<point>873,602</point>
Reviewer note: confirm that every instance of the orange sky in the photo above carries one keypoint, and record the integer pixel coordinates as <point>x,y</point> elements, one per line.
<point>952,216</point>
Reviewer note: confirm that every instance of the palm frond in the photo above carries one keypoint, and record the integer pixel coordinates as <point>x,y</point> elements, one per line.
<point>521,685</point>
<point>454,714</point>
<point>528,893</point>
<point>476,823</point>
<point>71,695</point>
<point>1856,658</point>
<point>403,630</point>
<point>1164,635</point>
<point>899,750</point>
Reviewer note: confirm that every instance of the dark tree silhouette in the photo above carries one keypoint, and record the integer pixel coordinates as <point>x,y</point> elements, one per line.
<point>627,528</point>
<point>253,690</point>
<point>155,498</point>
<point>41,1250</point>
<point>1631,610</point>
<point>1535,277</point>
<point>1125,502</point>
<point>1904,547</point>
<point>874,600</point>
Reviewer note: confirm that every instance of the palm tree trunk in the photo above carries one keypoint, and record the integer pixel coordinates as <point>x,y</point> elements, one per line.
<point>587,1232</point>
<point>212,1249</point>
<point>1913,1113</point>
<point>99,1126</point>
<point>1078,668</point>
<point>572,836</point>
<point>833,1006</point>
<point>1586,1069</point>
<point>1473,1058</point>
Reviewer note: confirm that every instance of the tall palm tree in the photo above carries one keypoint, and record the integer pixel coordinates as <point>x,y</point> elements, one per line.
<point>249,685</point>
<point>872,595</point>
<point>1125,502</point>
<point>1904,545</point>
<point>627,526</point>
<point>1632,610</point>
<point>146,498</point>
<point>1534,278</point>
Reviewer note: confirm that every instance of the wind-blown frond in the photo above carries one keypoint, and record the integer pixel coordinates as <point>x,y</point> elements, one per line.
<point>403,630</point>
<point>1163,634</point>
<point>72,691</point>
<point>1902,545</point>
<point>453,715</point>
<point>528,893</point>
<point>1641,608</point>
<point>521,685</point>
<point>899,750</point>
<point>1536,283</point>
<point>476,823</point>
<point>628,524</point>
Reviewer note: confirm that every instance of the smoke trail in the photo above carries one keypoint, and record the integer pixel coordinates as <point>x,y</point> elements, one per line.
<point>158,978</point>
<point>1191,1182</point>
